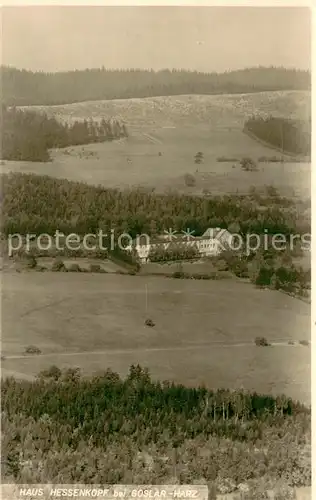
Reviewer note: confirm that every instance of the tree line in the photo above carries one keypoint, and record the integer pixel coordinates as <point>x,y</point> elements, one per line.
<point>287,135</point>
<point>22,87</point>
<point>28,136</point>
<point>76,207</point>
<point>66,397</point>
<point>272,269</point>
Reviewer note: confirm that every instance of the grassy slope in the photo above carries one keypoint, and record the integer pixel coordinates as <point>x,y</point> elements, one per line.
<point>211,124</point>
<point>195,323</point>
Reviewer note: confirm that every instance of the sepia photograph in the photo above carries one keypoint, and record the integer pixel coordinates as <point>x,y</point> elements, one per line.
<point>156,252</point>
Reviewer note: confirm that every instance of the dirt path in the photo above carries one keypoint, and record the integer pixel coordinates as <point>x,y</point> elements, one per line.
<point>152,139</point>
<point>214,344</point>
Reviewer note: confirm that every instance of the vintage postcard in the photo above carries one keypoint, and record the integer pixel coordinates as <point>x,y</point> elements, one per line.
<point>156,251</point>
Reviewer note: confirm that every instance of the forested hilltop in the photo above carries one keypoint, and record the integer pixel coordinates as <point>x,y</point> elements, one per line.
<point>105,430</point>
<point>22,87</point>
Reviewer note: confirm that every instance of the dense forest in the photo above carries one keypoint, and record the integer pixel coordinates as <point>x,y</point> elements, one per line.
<point>80,208</point>
<point>287,135</point>
<point>107,430</point>
<point>21,87</point>
<point>28,136</point>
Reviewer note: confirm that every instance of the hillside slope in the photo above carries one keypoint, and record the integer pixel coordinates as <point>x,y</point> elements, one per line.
<point>164,135</point>
<point>215,111</point>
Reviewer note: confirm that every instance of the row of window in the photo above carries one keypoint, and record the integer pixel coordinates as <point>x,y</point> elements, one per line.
<point>206,243</point>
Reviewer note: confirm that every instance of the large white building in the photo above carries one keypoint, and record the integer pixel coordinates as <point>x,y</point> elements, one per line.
<point>211,243</point>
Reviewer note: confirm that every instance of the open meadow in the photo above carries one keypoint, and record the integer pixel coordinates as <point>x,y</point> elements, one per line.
<point>165,133</point>
<point>204,331</point>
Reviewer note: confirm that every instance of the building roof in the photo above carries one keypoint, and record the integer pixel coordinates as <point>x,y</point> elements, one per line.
<point>180,238</point>
<point>216,232</point>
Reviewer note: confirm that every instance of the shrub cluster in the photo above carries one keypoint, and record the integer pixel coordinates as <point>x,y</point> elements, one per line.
<point>175,251</point>
<point>270,268</point>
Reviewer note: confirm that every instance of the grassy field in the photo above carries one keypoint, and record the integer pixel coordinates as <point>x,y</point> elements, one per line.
<point>204,331</point>
<point>178,127</point>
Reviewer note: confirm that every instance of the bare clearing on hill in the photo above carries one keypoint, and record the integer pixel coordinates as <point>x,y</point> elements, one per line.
<point>225,109</point>
<point>165,133</point>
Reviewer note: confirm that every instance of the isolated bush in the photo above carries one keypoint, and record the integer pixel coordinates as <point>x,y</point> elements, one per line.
<point>189,180</point>
<point>261,341</point>
<point>149,322</point>
<point>199,157</point>
<point>248,164</point>
<point>58,265</point>
<point>32,349</point>
<point>304,342</point>
<point>53,373</point>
